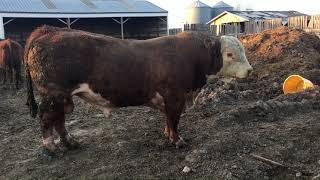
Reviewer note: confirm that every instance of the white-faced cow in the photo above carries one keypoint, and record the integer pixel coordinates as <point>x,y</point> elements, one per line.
<point>112,73</point>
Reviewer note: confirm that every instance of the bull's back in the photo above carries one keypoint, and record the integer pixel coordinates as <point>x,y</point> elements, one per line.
<point>66,60</point>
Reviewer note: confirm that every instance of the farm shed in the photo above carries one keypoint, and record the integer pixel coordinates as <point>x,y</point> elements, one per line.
<point>245,16</point>
<point>137,19</point>
<point>249,21</point>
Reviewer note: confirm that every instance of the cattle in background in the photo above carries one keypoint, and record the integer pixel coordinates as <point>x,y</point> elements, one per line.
<point>112,73</point>
<point>11,54</point>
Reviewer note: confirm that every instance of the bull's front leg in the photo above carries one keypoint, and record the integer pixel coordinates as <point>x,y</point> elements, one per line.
<point>174,104</point>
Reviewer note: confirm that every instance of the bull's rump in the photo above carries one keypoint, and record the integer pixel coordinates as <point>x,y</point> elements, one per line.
<point>124,72</point>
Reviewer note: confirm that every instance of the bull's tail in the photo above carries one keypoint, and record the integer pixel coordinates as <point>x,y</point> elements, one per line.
<point>31,102</point>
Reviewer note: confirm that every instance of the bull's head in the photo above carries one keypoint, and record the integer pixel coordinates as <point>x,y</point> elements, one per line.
<point>234,61</point>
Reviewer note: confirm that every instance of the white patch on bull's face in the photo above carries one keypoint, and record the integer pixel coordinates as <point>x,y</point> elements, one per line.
<point>84,92</point>
<point>235,63</point>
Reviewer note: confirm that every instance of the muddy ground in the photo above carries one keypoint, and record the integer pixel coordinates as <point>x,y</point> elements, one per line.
<point>229,124</point>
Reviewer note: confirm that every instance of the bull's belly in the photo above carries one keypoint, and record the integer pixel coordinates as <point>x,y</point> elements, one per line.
<point>116,101</point>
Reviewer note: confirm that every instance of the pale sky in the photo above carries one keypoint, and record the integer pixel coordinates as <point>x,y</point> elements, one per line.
<point>176,8</point>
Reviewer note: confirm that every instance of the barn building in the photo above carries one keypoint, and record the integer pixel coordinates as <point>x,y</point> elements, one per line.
<point>228,17</point>
<point>250,21</point>
<point>138,19</point>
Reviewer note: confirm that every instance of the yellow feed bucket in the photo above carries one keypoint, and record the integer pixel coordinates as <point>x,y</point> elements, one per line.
<point>296,83</point>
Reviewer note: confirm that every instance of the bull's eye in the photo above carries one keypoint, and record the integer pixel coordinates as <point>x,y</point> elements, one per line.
<point>229,54</point>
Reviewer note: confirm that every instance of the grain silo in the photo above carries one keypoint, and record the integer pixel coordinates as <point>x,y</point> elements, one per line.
<point>198,13</point>
<point>220,7</point>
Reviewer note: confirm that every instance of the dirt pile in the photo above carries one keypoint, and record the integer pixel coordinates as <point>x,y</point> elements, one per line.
<point>281,42</point>
<point>253,115</point>
<point>275,54</point>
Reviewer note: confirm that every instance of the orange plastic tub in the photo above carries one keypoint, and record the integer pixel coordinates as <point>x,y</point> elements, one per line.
<point>296,83</point>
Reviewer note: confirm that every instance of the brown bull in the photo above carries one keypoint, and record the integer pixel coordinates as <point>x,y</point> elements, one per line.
<point>113,73</point>
<point>10,61</point>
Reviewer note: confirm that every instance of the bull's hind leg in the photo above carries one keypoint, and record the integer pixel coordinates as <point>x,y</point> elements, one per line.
<point>65,138</point>
<point>51,111</point>
<point>174,104</point>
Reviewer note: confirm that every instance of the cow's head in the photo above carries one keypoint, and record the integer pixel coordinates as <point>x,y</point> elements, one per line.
<point>232,54</point>
<point>235,62</point>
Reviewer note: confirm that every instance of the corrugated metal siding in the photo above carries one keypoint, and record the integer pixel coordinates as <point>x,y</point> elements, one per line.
<point>241,16</point>
<point>261,15</point>
<point>77,6</point>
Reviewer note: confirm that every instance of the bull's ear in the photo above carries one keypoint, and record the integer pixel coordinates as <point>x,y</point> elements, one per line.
<point>208,43</point>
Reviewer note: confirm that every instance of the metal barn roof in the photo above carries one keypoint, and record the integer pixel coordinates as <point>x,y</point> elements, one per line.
<point>263,15</point>
<point>260,15</point>
<point>198,4</point>
<point>78,6</point>
<point>221,4</point>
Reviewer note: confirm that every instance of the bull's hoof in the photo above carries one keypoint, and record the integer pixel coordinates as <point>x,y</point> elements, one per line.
<point>48,154</point>
<point>180,143</point>
<point>70,144</point>
<point>166,132</point>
